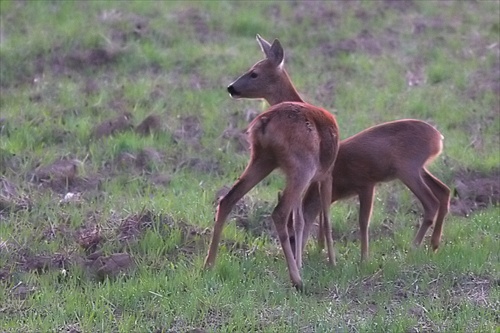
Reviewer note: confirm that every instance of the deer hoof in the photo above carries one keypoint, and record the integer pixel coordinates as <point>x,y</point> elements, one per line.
<point>299,286</point>
<point>208,264</point>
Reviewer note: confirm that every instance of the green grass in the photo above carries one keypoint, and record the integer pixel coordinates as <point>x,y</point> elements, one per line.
<point>174,59</point>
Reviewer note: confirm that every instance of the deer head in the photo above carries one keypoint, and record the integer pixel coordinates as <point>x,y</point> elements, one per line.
<point>266,79</point>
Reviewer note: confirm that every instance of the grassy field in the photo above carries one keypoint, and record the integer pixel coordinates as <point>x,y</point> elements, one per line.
<point>116,134</point>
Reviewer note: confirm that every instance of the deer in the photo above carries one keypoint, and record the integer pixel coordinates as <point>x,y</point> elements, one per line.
<point>393,150</point>
<point>302,141</point>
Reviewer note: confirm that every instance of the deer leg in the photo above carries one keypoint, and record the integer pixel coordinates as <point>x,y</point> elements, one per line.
<point>365,211</point>
<point>291,200</point>
<point>298,226</point>
<point>326,199</point>
<point>321,229</point>
<point>256,170</point>
<point>429,202</point>
<point>291,230</point>
<point>291,234</point>
<point>311,208</point>
<point>442,193</point>
<point>299,223</point>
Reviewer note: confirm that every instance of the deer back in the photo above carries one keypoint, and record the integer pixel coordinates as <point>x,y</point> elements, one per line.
<point>382,152</point>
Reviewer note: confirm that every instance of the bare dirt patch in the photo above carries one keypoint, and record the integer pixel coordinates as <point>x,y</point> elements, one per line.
<point>100,246</point>
<point>150,125</point>
<point>59,59</point>
<point>109,127</point>
<point>42,263</point>
<point>111,266</point>
<point>147,158</point>
<point>60,170</point>
<point>78,60</point>
<point>62,176</point>
<point>88,236</point>
<point>83,59</point>
<point>132,225</point>
<point>475,190</point>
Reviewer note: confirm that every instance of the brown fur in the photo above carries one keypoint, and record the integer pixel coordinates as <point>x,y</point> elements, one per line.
<point>394,150</point>
<point>300,140</point>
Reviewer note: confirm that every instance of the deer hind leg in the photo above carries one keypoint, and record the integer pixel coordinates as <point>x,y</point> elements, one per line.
<point>298,228</point>
<point>321,232</point>
<point>365,212</point>
<point>256,170</point>
<point>311,208</point>
<point>442,193</point>
<point>429,202</point>
<point>291,233</point>
<point>326,199</point>
<point>291,200</point>
<point>291,230</point>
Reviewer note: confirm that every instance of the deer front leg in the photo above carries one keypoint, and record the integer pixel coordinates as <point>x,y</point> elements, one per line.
<point>256,170</point>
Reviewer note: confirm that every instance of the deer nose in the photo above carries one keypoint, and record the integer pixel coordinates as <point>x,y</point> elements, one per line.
<point>232,91</point>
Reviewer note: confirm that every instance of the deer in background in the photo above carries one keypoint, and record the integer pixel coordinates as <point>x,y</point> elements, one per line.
<point>302,141</point>
<point>394,150</point>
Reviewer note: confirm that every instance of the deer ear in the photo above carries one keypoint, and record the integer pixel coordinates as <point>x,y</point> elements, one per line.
<point>265,46</point>
<point>276,54</point>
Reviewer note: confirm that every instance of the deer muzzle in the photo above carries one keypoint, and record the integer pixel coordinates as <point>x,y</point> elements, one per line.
<point>232,91</point>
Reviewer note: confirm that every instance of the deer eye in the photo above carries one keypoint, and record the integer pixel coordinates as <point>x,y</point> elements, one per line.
<point>253,75</point>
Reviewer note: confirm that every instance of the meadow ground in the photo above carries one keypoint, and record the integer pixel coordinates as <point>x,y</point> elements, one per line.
<point>117,134</point>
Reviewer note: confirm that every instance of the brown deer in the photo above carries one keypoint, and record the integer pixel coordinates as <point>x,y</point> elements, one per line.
<point>302,141</point>
<point>394,150</point>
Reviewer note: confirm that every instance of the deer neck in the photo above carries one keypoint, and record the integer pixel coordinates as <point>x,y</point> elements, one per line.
<point>285,93</point>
